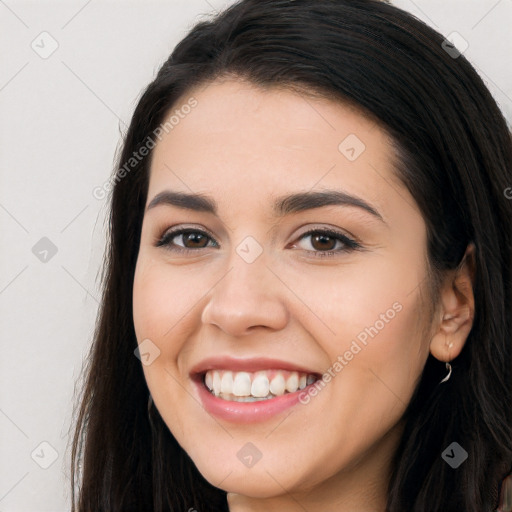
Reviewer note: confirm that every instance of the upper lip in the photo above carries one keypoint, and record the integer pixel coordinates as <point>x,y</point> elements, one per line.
<point>252,364</point>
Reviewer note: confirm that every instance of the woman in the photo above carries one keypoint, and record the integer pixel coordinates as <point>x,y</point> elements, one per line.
<point>307,291</point>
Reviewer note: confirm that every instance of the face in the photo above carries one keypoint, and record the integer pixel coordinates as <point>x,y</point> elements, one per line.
<point>303,316</point>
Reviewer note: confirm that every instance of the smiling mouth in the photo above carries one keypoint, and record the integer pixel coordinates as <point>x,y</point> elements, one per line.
<point>255,386</point>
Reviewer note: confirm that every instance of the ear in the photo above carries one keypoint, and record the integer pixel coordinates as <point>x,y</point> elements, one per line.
<point>457,309</point>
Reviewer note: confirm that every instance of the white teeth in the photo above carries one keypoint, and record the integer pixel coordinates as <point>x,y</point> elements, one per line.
<point>216,383</point>
<point>292,382</point>
<point>247,399</point>
<point>277,385</point>
<point>250,387</point>
<point>226,384</point>
<point>208,380</point>
<point>242,384</point>
<point>260,386</point>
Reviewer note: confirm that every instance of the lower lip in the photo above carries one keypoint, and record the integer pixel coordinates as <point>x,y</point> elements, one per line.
<point>246,412</point>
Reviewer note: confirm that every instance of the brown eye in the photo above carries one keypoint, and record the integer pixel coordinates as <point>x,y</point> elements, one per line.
<point>191,239</point>
<point>325,243</point>
<point>196,240</point>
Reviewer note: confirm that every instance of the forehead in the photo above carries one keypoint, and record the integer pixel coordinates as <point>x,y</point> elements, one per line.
<point>244,143</point>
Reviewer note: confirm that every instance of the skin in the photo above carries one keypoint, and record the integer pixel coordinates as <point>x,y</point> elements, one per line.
<point>244,146</point>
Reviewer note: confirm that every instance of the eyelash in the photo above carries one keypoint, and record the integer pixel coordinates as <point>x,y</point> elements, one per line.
<point>349,244</point>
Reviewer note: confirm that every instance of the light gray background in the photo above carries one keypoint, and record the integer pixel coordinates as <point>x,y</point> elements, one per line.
<point>60,125</point>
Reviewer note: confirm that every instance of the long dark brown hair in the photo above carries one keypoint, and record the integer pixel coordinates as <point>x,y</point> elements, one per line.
<point>455,157</point>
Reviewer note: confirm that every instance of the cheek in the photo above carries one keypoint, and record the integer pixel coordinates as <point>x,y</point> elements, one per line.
<point>377,355</point>
<point>374,299</point>
<point>371,328</point>
<point>162,300</point>
<point>162,303</point>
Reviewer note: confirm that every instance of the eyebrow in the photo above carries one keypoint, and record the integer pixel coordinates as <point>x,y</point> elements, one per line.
<point>284,205</point>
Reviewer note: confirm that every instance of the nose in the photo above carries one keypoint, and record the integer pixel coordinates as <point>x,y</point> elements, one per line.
<point>249,296</point>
